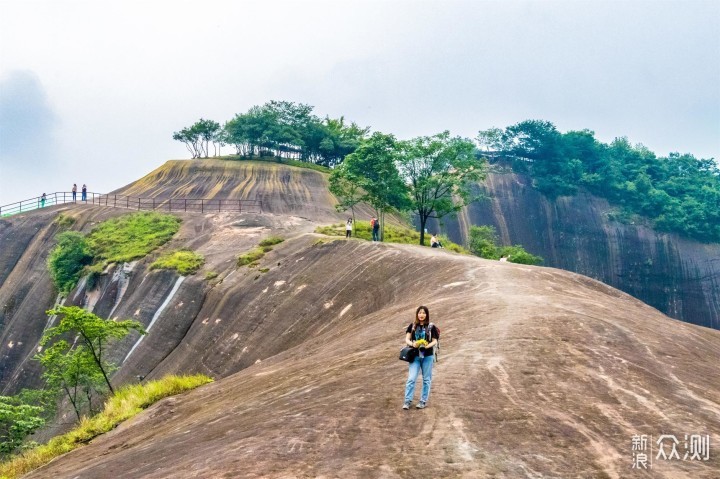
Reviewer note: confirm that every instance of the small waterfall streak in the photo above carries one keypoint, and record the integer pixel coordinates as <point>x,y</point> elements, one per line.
<point>123,282</point>
<point>59,301</point>
<point>157,314</point>
<point>80,287</point>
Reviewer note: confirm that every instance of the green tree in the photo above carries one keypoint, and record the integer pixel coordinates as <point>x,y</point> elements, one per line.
<point>67,260</point>
<point>94,333</point>
<point>482,241</point>
<point>340,140</point>
<point>439,171</point>
<point>346,187</point>
<point>517,254</point>
<point>72,371</point>
<point>17,421</point>
<point>197,137</point>
<point>373,165</point>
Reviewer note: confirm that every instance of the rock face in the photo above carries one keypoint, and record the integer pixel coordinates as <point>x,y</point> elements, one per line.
<point>679,277</point>
<point>542,372</point>
<point>280,189</point>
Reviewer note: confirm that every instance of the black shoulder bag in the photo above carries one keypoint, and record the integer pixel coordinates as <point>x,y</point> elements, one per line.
<point>408,354</point>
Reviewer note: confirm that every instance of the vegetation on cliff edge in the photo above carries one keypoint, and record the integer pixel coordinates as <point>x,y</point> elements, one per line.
<point>678,193</point>
<point>118,240</point>
<point>126,403</point>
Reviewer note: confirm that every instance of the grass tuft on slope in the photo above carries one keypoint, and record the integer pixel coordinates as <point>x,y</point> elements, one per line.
<point>393,234</point>
<point>131,236</point>
<point>126,403</point>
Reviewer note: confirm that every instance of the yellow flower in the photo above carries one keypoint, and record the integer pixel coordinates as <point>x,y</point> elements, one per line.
<point>421,342</point>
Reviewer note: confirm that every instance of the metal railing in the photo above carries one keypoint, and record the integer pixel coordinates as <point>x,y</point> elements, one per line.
<point>197,205</point>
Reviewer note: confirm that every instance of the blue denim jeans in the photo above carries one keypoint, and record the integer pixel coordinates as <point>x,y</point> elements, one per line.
<point>426,364</point>
<point>375,235</point>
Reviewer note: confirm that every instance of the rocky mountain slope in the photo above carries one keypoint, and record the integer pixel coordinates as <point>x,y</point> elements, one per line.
<point>542,373</point>
<point>680,277</point>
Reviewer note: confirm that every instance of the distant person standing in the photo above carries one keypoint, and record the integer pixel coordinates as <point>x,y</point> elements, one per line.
<point>74,192</point>
<point>375,229</point>
<point>84,192</point>
<point>503,259</point>
<point>42,200</point>
<point>422,335</point>
<point>348,228</point>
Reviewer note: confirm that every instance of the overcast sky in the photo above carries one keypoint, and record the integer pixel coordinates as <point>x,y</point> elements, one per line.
<point>91,91</point>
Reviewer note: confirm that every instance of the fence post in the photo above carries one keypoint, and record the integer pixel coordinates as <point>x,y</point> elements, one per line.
<point>219,205</point>
<point>153,203</point>
<point>202,206</point>
<point>115,202</point>
<point>185,208</point>
<point>138,204</point>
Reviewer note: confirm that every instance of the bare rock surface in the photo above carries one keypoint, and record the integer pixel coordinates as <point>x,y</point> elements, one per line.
<point>280,189</point>
<point>676,275</point>
<point>542,373</point>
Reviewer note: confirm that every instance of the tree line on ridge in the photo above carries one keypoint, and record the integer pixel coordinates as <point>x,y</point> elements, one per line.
<point>430,175</point>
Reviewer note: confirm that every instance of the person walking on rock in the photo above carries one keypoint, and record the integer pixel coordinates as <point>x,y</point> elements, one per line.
<point>74,192</point>
<point>423,335</point>
<point>348,228</point>
<point>84,192</point>
<point>375,224</point>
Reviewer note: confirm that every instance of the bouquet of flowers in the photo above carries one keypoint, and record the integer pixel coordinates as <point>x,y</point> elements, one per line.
<point>421,343</point>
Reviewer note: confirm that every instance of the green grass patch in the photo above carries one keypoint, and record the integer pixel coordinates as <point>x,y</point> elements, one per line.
<point>271,240</point>
<point>184,262</point>
<point>126,403</point>
<point>264,270</point>
<point>131,236</point>
<point>393,234</point>
<point>64,221</point>
<point>250,257</point>
<point>211,275</point>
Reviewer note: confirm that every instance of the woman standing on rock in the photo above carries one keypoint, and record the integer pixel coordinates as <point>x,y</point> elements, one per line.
<point>348,228</point>
<point>423,335</point>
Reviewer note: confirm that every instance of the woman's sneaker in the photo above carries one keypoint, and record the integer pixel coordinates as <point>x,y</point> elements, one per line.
<point>421,405</point>
<point>406,405</point>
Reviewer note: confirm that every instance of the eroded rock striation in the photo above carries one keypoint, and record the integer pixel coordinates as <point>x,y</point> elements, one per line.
<point>542,372</point>
<point>680,277</point>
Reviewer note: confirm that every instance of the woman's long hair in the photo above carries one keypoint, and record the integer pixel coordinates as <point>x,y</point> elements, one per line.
<point>417,321</point>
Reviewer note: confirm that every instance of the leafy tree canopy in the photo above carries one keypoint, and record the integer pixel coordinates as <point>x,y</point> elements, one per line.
<point>678,193</point>
<point>438,172</point>
<point>291,130</point>
<point>373,167</point>
<point>94,334</point>
<point>484,242</point>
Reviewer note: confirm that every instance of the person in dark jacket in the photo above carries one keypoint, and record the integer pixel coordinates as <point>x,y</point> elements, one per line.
<point>423,335</point>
